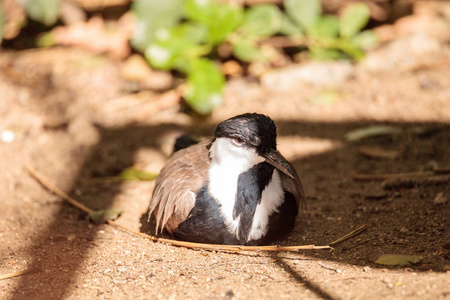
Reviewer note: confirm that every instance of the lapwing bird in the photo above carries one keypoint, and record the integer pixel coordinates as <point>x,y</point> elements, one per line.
<point>233,189</point>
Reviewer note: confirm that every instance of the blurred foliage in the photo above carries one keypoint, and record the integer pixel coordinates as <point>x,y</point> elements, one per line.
<point>329,36</point>
<point>188,35</point>
<point>187,40</point>
<point>135,174</point>
<point>43,11</point>
<point>205,82</point>
<point>104,215</point>
<point>260,21</point>
<point>153,17</point>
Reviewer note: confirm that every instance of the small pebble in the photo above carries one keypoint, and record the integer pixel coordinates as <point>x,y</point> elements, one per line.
<point>7,136</point>
<point>367,269</point>
<point>440,199</point>
<point>229,294</point>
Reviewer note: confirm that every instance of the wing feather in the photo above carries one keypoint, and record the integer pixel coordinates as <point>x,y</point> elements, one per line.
<point>176,186</point>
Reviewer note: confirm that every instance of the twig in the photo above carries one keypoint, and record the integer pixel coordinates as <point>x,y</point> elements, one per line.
<point>329,268</point>
<point>234,248</point>
<point>284,41</point>
<point>349,235</point>
<point>55,190</point>
<point>14,274</point>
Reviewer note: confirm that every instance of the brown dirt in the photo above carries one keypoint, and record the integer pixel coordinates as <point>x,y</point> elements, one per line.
<point>72,124</point>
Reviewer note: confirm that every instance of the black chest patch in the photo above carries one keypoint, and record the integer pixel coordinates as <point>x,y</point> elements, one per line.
<point>251,184</point>
<point>205,223</point>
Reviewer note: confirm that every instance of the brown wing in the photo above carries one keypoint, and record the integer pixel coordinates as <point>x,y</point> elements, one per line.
<point>176,186</point>
<point>294,186</point>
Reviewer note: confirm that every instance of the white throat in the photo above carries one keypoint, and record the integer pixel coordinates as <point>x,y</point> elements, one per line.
<point>228,161</point>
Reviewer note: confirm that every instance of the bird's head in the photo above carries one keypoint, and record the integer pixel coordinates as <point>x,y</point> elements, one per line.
<point>250,138</point>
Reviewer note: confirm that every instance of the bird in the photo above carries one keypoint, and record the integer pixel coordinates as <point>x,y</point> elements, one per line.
<point>232,189</point>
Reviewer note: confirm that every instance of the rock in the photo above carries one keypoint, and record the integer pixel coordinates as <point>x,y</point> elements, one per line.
<point>318,73</point>
<point>429,17</point>
<point>367,269</point>
<point>229,294</point>
<point>406,54</point>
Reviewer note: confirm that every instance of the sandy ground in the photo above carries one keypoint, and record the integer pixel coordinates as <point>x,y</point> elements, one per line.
<point>71,122</point>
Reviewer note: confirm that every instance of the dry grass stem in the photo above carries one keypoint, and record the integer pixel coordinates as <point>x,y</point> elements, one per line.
<point>54,189</point>
<point>14,274</point>
<point>284,41</point>
<point>233,248</point>
<point>349,235</point>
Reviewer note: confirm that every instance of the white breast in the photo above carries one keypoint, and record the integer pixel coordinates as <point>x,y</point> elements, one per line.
<point>272,197</point>
<point>224,192</point>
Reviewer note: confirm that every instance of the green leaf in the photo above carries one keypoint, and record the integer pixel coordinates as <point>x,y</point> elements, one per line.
<point>321,53</point>
<point>248,51</point>
<point>304,13</point>
<point>153,16</point>
<point>43,11</point>
<point>226,19</point>
<point>288,27</point>
<point>46,40</point>
<point>398,259</point>
<point>199,10</point>
<point>101,216</point>
<point>326,26</point>
<point>353,19</point>
<point>262,20</point>
<point>220,19</point>
<point>163,55</point>
<point>371,131</point>
<point>350,48</point>
<point>366,40</point>
<point>134,174</point>
<point>195,33</point>
<point>327,97</point>
<point>205,84</point>
<point>173,49</point>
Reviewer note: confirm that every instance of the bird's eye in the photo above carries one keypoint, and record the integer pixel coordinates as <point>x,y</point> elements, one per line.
<point>238,141</point>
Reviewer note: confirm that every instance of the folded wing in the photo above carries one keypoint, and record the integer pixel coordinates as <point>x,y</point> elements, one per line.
<point>177,185</point>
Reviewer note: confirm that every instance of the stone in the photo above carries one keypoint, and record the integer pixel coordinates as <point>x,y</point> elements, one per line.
<point>406,54</point>
<point>317,73</point>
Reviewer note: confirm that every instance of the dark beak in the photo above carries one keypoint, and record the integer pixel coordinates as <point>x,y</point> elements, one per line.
<point>274,158</point>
